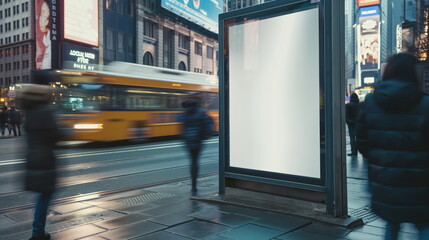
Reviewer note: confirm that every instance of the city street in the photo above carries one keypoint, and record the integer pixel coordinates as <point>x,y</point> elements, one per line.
<point>142,191</point>
<point>85,171</point>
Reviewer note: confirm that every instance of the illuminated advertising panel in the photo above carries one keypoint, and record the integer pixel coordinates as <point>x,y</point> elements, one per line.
<point>79,57</point>
<point>81,21</point>
<point>369,38</point>
<point>202,12</point>
<point>43,13</point>
<point>364,3</point>
<point>273,126</point>
<point>408,39</point>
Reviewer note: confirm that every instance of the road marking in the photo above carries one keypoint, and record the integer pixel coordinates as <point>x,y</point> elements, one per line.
<point>97,153</point>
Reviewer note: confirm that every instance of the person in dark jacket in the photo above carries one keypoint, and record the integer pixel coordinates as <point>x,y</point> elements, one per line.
<point>5,121</point>
<point>197,126</point>
<point>393,134</point>
<point>352,114</point>
<point>42,134</point>
<point>15,121</point>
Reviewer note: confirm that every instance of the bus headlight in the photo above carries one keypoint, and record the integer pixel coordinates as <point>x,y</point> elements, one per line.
<point>88,126</point>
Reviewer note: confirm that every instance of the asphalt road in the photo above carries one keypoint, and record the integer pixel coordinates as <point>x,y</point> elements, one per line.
<point>86,172</point>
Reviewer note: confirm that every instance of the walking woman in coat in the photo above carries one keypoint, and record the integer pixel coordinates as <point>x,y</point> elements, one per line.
<point>42,135</point>
<point>393,134</point>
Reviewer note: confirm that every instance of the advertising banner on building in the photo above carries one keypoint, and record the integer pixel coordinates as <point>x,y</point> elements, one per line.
<point>47,35</point>
<point>202,12</point>
<point>369,38</point>
<point>364,3</point>
<point>408,39</point>
<point>81,21</point>
<point>79,57</point>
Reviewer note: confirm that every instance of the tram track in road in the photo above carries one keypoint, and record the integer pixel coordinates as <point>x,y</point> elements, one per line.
<point>92,180</point>
<point>99,194</point>
<point>106,152</point>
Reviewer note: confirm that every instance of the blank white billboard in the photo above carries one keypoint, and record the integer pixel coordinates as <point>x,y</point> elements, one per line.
<point>81,21</point>
<point>274,94</point>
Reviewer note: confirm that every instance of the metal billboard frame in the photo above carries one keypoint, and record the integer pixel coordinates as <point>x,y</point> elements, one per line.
<point>332,185</point>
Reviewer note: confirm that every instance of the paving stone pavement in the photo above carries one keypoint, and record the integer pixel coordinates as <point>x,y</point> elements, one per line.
<point>167,212</point>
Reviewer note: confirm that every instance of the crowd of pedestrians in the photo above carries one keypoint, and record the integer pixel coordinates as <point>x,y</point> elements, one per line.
<point>10,120</point>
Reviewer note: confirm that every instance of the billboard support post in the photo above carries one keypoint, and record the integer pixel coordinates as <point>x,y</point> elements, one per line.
<point>282,129</point>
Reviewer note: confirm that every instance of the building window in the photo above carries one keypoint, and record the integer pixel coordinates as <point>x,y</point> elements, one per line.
<point>148,59</point>
<point>183,41</point>
<point>198,70</point>
<point>130,44</point>
<point>182,66</point>
<point>209,52</point>
<point>120,4</point>
<point>198,48</point>
<point>209,73</point>
<point>149,29</point>
<point>121,42</point>
<point>131,7</point>
<point>109,39</point>
<point>109,5</point>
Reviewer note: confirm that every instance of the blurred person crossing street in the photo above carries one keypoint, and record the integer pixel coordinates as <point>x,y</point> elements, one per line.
<point>42,134</point>
<point>5,121</point>
<point>197,126</point>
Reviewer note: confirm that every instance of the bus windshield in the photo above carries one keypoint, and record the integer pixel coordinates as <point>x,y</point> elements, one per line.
<point>79,97</point>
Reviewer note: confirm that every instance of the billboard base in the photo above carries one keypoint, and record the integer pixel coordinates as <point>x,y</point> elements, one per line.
<point>267,202</point>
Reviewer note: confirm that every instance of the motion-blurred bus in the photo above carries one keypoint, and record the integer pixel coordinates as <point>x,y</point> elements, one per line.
<point>129,101</point>
<point>363,91</point>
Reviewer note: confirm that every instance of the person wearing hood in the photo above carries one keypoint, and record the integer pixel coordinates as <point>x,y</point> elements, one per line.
<point>42,134</point>
<point>197,126</point>
<point>393,134</point>
<point>352,114</point>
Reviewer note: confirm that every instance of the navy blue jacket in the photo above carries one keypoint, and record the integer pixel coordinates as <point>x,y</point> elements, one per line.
<point>197,124</point>
<point>393,134</point>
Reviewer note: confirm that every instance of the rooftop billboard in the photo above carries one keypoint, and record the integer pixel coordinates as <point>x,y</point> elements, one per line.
<point>201,12</point>
<point>364,3</point>
<point>81,21</point>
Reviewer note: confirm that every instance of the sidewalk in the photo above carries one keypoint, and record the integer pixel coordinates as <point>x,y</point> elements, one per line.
<point>166,212</point>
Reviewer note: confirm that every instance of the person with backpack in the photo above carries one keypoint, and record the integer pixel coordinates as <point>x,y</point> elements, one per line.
<point>197,126</point>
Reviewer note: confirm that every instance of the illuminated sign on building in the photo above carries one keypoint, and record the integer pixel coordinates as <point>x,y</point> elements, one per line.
<point>364,3</point>
<point>369,35</point>
<point>81,21</point>
<point>45,32</point>
<point>78,57</point>
<point>202,12</point>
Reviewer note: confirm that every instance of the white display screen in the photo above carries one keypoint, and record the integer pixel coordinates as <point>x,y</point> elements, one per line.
<point>81,21</point>
<point>274,94</point>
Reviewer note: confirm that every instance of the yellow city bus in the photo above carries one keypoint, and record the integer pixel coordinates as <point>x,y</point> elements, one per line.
<point>129,101</point>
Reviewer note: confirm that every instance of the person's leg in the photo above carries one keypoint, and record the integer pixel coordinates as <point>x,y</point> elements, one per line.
<point>14,129</point>
<point>353,144</point>
<point>40,213</point>
<point>2,129</point>
<point>423,231</point>
<point>194,168</point>
<point>392,231</point>
<point>19,129</point>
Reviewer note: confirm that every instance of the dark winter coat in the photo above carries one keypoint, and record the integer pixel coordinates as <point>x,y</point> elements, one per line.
<point>15,117</point>
<point>393,134</point>
<point>4,117</point>
<point>197,124</point>
<point>352,110</point>
<point>42,135</point>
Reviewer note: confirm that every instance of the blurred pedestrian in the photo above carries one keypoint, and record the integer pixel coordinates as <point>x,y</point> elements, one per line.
<point>197,127</point>
<point>41,136</point>
<point>15,121</point>
<point>393,134</point>
<point>5,121</point>
<point>352,114</point>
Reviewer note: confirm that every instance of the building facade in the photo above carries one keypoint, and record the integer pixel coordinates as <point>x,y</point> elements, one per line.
<point>16,42</point>
<point>166,40</point>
